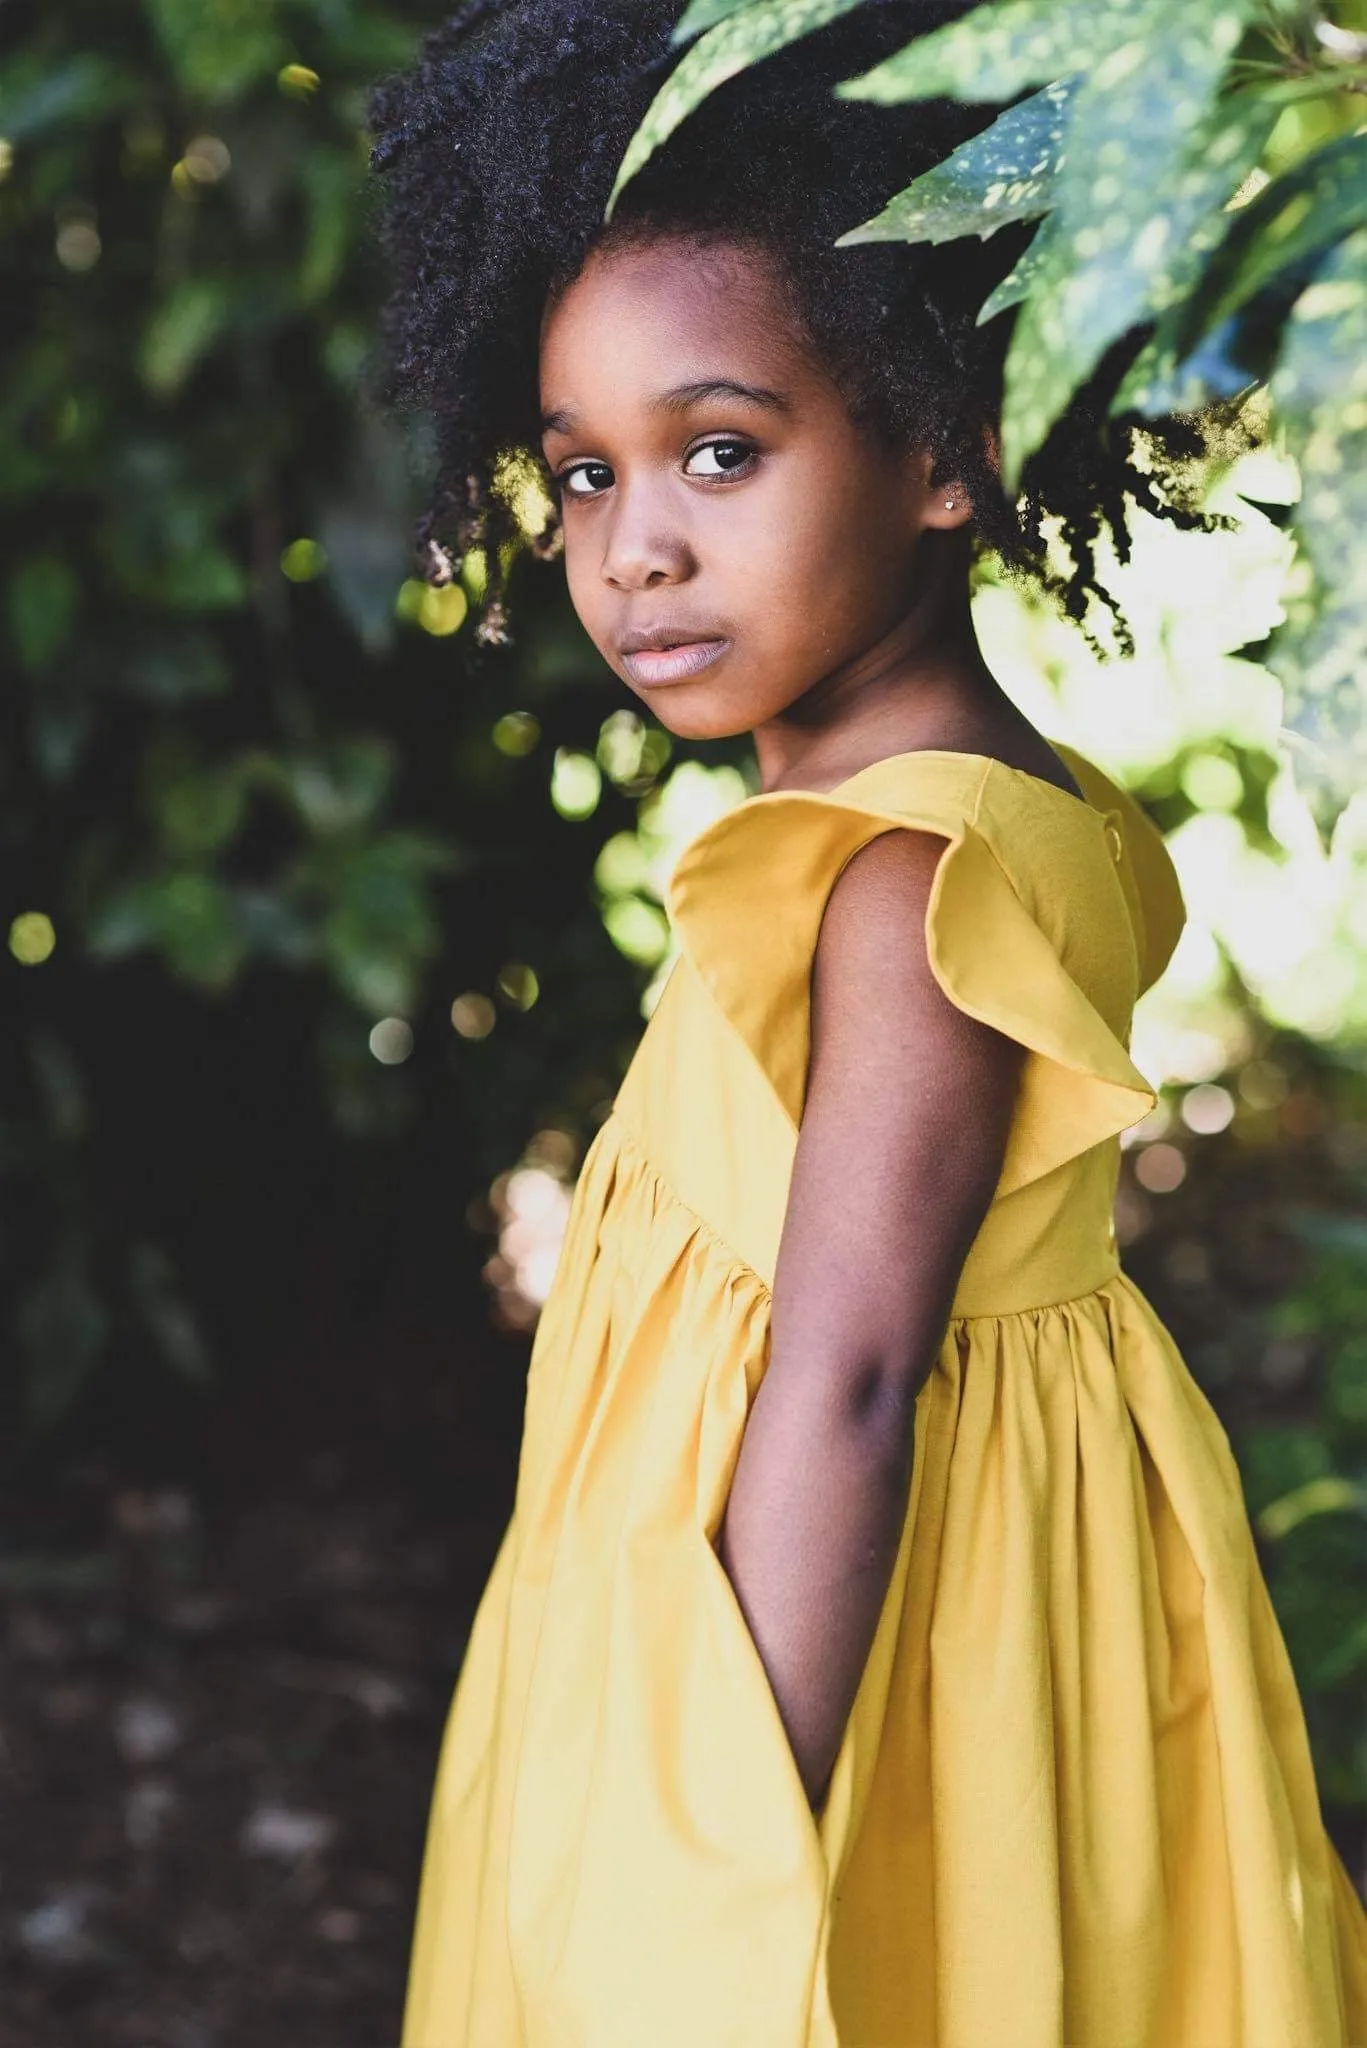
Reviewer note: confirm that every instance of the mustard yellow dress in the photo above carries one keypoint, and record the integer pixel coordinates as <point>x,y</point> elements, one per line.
<point>1074,1804</point>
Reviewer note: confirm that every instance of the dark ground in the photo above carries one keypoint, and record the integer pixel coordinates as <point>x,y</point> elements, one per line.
<point>217,1750</point>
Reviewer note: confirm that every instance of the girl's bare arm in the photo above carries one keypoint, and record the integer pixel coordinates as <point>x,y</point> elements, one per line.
<point>908,1107</point>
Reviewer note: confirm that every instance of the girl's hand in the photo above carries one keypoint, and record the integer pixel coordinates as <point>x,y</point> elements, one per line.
<point>908,1107</point>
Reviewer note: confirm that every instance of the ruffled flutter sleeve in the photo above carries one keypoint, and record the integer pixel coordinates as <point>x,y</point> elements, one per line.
<point>747,899</point>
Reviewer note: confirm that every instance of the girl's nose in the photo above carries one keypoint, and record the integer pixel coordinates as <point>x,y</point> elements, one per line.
<point>644,549</point>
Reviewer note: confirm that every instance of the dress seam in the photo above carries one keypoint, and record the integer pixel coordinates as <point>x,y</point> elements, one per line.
<point>1039,1308</point>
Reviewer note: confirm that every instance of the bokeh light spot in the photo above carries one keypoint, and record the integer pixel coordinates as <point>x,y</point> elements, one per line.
<point>207,159</point>
<point>1207,1109</point>
<point>621,742</point>
<point>6,158</point>
<point>297,82</point>
<point>473,1015</point>
<point>576,783</point>
<point>1160,1169</point>
<point>1263,1085</point>
<point>442,612</point>
<point>78,245</point>
<point>516,733</point>
<point>1212,783</point>
<point>32,938</point>
<point>391,1041</point>
<point>518,984</point>
<point>303,560</point>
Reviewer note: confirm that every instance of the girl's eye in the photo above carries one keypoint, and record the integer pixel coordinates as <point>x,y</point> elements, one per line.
<point>585,480</point>
<point>719,458</point>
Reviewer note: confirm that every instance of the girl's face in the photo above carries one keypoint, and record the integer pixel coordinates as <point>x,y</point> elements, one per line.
<point>733,539</point>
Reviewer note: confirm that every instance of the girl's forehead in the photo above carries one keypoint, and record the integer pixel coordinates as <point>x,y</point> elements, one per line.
<point>675,300</point>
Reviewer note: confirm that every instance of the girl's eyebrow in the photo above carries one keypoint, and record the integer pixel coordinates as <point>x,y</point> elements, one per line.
<point>682,396</point>
<point>685,395</point>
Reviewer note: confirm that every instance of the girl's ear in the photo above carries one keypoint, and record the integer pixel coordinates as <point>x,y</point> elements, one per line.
<point>944,500</point>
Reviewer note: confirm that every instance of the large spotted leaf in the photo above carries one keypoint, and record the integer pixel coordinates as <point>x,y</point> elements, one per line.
<point>1005,174</point>
<point>1319,391</point>
<point>732,46</point>
<point>1122,248</point>
<point>1018,284</point>
<point>1267,253</point>
<point>1001,48</point>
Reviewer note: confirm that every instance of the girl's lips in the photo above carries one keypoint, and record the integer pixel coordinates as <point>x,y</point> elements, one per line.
<point>671,664</point>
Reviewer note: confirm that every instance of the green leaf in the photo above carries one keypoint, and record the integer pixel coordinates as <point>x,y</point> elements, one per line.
<point>1316,204</point>
<point>203,579</point>
<point>1005,174</point>
<point>34,99</point>
<point>1122,249</point>
<point>42,601</point>
<point>1267,254</point>
<point>1019,282</point>
<point>729,48</point>
<point>1000,49</point>
<point>1319,390</point>
<point>182,331</point>
<point>705,14</point>
<point>219,47</point>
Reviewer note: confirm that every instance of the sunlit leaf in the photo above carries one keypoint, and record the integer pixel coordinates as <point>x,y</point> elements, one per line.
<point>731,47</point>
<point>1328,1496</point>
<point>1319,390</point>
<point>1005,174</point>
<point>1121,249</point>
<point>705,14</point>
<point>999,50</point>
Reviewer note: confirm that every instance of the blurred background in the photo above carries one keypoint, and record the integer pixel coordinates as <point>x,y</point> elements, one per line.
<point>327,938</point>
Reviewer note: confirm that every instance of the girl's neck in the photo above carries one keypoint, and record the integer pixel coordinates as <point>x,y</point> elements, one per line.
<point>923,684</point>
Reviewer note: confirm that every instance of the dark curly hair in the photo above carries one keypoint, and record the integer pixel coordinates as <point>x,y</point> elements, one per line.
<point>497,152</point>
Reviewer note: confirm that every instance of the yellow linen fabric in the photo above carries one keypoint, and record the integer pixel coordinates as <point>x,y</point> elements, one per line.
<point>1074,1805</point>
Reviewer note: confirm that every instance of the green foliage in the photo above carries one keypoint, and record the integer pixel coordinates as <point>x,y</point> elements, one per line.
<point>1157,120</point>
<point>243,773</point>
<point>999,50</point>
<point>1320,391</point>
<point>1121,249</point>
<point>1307,1489</point>
<point>1007,173</point>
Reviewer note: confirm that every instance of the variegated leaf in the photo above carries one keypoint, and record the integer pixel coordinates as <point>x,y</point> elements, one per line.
<point>731,47</point>
<point>1319,390</point>
<point>1005,46</point>
<point>1122,249</point>
<point>1266,254</point>
<point>1005,174</point>
<point>1019,282</point>
<point>1308,209</point>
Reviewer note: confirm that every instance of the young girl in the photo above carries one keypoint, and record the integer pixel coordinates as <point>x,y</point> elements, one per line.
<point>877,1654</point>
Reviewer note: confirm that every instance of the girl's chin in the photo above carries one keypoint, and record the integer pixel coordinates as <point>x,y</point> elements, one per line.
<point>689,715</point>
